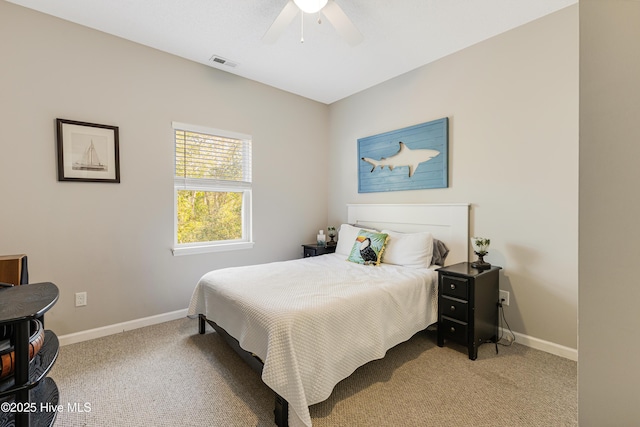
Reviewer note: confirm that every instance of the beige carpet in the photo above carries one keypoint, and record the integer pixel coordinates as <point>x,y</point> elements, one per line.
<point>168,375</point>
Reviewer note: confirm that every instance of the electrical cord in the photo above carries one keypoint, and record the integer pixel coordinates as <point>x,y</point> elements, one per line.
<point>502,317</point>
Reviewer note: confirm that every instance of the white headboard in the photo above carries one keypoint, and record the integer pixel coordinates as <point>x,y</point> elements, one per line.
<point>446,222</point>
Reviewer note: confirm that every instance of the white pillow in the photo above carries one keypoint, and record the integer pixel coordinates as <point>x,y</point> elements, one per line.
<point>346,238</point>
<point>408,249</point>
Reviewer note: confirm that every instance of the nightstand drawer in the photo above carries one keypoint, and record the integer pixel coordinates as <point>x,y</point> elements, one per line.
<point>454,308</point>
<point>308,252</point>
<point>454,329</point>
<point>455,287</point>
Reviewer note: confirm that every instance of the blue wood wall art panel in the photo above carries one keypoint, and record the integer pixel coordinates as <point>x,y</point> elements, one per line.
<point>412,158</point>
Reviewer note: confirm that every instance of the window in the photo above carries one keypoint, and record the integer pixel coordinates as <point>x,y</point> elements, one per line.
<point>212,187</point>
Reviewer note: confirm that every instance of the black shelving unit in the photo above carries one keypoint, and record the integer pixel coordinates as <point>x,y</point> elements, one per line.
<point>29,397</point>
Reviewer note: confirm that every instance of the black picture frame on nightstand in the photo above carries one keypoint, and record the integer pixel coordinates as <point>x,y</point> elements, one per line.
<point>468,306</point>
<point>315,250</point>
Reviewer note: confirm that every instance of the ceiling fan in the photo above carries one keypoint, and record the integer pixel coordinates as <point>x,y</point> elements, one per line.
<point>328,8</point>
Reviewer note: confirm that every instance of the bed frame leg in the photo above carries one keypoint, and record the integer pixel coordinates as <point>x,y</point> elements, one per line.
<point>201,324</point>
<point>281,412</point>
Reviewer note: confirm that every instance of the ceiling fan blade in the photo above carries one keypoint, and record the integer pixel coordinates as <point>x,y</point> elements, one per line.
<point>342,23</point>
<point>285,17</point>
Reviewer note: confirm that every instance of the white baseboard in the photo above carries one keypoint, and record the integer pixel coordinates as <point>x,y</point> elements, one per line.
<point>538,344</point>
<point>546,346</point>
<point>120,327</point>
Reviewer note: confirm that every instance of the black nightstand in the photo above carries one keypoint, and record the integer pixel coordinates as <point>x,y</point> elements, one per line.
<point>315,250</point>
<point>468,306</point>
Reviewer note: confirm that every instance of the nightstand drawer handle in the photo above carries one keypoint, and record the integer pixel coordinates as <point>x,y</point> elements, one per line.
<point>453,308</point>
<point>453,286</point>
<point>452,329</point>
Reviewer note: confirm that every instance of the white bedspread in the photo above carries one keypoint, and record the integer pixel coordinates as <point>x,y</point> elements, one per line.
<point>314,321</point>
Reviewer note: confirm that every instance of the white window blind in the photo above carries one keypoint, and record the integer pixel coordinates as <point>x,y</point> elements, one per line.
<point>212,166</point>
<point>212,157</point>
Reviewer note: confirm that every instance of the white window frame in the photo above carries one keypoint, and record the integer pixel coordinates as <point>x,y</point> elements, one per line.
<point>246,242</point>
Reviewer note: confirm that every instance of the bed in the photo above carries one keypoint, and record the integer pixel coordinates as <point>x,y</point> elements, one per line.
<point>306,324</point>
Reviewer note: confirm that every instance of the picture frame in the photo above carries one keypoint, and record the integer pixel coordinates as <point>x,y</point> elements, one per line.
<point>87,152</point>
<point>412,158</point>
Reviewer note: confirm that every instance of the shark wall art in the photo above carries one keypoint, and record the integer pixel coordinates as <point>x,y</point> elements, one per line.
<point>404,157</point>
<point>412,158</point>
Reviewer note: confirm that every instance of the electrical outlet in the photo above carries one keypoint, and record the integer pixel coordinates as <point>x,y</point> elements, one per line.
<point>81,299</point>
<point>504,297</point>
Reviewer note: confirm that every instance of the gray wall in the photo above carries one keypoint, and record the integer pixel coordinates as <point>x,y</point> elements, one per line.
<point>114,240</point>
<point>512,102</point>
<point>609,213</point>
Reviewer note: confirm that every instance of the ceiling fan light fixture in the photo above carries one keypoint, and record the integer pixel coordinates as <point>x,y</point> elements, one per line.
<point>310,6</point>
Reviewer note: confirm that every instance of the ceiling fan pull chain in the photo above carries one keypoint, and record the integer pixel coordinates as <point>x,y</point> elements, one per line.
<point>301,27</point>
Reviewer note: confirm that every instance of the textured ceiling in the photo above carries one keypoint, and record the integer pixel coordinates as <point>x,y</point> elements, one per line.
<point>399,35</point>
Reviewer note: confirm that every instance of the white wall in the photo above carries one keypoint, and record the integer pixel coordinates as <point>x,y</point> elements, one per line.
<point>114,240</point>
<point>608,371</point>
<point>512,102</point>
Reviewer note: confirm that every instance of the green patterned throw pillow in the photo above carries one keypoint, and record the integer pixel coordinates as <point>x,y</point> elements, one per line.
<point>368,248</point>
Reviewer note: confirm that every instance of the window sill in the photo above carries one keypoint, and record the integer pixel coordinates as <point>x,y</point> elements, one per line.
<point>220,247</point>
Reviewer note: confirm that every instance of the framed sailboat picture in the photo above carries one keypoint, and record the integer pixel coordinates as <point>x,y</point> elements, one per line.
<point>87,152</point>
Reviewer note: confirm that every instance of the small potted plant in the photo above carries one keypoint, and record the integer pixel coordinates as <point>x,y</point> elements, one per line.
<point>332,233</point>
<point>480,246</point>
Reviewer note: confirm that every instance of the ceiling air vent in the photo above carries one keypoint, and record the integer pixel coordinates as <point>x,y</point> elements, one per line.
<point>218,60</point>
